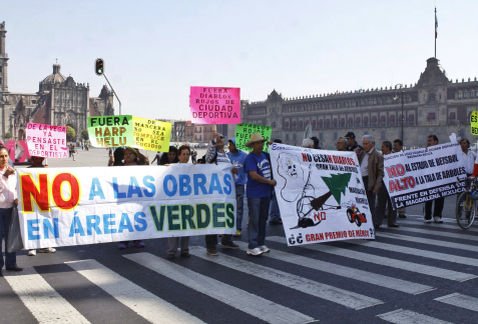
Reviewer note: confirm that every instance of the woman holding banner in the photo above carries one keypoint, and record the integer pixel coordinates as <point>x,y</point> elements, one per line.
<point>184,152</point>
<point>132,156</point>
<point>8,198</point>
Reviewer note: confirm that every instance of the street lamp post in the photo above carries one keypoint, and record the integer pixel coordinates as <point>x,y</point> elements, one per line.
<point>403,116</point>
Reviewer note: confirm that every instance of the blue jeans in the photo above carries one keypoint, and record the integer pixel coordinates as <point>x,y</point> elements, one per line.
<point>5,220</point>
<point>239,206</point>
<point>258,212</point>
<point>274,213</point>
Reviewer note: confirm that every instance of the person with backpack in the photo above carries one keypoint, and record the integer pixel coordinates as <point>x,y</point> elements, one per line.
<point>215,154</point>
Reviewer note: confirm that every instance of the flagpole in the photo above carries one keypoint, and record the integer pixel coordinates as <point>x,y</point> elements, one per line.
<point>436,29</point>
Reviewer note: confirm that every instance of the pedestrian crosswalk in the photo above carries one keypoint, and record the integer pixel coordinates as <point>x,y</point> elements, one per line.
<point>401,277</point>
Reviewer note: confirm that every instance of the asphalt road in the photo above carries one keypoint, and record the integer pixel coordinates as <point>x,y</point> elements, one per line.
<point>417,273</point>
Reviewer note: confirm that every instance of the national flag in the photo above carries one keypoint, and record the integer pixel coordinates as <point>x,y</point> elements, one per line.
<point>436,24</point>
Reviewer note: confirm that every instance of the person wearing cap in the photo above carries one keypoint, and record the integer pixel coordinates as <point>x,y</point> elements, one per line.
<point>352,144</point>
<point>238,158</point>
<point>258,191</point>
<point>215,154</point>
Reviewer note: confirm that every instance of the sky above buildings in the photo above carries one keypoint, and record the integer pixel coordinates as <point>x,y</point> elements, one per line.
<point>154,50</point>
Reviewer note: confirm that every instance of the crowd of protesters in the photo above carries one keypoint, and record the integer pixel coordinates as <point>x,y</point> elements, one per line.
<point>253,182</point>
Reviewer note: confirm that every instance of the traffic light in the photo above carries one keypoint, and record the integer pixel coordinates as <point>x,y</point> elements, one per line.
<point>99,66</point>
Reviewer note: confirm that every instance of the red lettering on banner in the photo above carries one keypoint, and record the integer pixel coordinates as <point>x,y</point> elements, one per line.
<point>40,192</point>
<point>401,184</point>
<point>74,189</point>
<point>395,171</point>
<point>29,189</point>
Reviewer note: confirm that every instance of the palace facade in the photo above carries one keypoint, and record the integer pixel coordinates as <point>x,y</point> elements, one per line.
<point>434,105</point>
<point>59,101</point>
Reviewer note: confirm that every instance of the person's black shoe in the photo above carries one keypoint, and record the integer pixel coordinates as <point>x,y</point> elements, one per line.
<point>229,245</point>
<point>276,222</point>
<point>402,216</point>
<point>393,225</point>
<point>1,273</point>
<point>15,268</point>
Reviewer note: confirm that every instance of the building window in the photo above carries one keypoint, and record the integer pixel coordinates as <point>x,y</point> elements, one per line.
<point>391,120</point>
<point>335,123</point>
<point>374,121</point>
<point>342,122</point>
<point>365,121</point>
<point>327,123</point>
<point>452,115</point>
<point>314,124</point>
<point>350,122</point>
<point>431,116</point>
<point>357,121</point>
<point>383,121</point>
<point>321,123</point>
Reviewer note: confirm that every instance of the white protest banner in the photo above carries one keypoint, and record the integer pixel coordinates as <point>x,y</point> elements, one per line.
<point>416,176</point>
<point>320,194</point>
<point>46,140</point>
<point>74,206</point>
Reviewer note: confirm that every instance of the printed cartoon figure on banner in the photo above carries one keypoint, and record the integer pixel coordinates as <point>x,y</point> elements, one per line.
<point>320,194</point>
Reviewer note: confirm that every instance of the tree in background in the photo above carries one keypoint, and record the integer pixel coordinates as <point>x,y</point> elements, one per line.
<point>70,134</point>
<point>84,134</point>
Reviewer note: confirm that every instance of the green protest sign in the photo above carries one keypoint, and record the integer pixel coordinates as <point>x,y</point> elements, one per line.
<point>474,122</point>
<point>244,131</point>
<point>111,131</point>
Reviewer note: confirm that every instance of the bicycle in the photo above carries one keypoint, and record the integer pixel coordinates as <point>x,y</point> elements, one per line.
<point>466,204</point>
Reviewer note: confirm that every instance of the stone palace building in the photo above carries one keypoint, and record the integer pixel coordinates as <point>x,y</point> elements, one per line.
<point>59,101</point>
<point>434,105</point>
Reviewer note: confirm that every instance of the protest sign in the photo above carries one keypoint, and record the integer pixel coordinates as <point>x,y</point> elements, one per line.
<point>151,135</point>
<point>215,105</point>
<point>17,151</point>
<point>474,122</point>
<point>244,131</point>
<point>321,195</point>
<point>416,176</point>
<point>47,140</point>
<point>111,131</point>
<point>74,206</point>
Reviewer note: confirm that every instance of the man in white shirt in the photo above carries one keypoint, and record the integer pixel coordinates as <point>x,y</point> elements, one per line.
<point>466,156</point>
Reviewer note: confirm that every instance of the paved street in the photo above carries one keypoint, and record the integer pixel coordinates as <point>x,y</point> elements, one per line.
<point>418,273</point>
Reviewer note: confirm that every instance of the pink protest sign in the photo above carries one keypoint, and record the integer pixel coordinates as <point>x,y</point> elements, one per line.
<point>47,140</point>
<point>215,105</point>
<point>17,151</point>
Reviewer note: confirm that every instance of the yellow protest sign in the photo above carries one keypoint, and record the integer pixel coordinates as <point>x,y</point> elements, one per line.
<point>474,122</point>
<point>151,134</point>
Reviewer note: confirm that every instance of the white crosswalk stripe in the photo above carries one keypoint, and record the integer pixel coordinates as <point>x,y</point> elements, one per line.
<point>340,296</point>
<point>403,316</point>
<point>389,262</point>
<point>129,294</point>
<point>462,236</point>
<point>254,305</point>
<point>460,300</point>
<point>43,301</point>
<point>342,285</point>
<point>348,272</point>
<point>434,242</point>
<point>418,252</point>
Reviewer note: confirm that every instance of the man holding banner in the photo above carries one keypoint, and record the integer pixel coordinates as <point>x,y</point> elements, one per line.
<point>439,202</point>
<point>259,191</point>
<point>371,167</point>
<point>216,154</point>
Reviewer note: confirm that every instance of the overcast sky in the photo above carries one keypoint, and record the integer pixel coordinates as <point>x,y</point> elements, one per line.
<point>155,50</point>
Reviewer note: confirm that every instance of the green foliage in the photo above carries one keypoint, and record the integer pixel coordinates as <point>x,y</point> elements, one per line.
<point>8,135</point>
<point>70,134</point>
<point>84,134</point>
